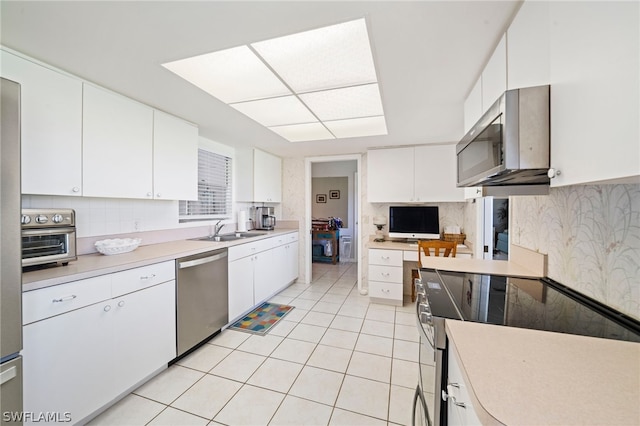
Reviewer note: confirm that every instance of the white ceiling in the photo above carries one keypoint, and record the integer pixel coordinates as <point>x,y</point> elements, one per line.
<point>427,54</point>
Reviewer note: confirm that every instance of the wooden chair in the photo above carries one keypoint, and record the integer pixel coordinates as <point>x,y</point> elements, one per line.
<point>424,247</point>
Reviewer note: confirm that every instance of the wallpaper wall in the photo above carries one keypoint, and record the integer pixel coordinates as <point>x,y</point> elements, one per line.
<point>591,234</point>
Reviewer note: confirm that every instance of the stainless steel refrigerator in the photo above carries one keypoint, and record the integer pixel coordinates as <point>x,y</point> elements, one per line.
<point>10,256</point>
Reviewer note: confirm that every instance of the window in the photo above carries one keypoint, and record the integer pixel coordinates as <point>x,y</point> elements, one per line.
<point>214,189</point>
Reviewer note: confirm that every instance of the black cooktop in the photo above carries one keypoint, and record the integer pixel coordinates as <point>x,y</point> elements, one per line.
<point>540,304</point>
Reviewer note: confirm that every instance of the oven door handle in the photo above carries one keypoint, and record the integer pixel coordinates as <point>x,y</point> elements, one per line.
<point>47,231</point>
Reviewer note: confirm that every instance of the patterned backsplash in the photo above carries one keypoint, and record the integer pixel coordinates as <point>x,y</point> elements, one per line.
<point>591,234</point>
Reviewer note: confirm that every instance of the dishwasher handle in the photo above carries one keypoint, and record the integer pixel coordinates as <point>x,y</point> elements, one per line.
<point>201,261</point>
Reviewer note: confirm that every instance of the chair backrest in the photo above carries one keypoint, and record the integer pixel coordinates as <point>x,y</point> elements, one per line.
<point>425,246</point>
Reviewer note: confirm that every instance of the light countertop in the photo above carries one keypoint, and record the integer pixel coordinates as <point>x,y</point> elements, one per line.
<point>529,377</point>
<point>92,265</point>
<point>402,245</point>
<point>479,266</point>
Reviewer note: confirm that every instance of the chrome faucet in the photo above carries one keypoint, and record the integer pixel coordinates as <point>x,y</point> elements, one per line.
<point>217,228</point>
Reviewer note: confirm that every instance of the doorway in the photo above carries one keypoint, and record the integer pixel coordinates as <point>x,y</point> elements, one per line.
<point>333,166</point>
<point>493,229</point>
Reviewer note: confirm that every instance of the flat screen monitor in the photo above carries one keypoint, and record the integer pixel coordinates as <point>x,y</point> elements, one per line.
<point>414,222</point>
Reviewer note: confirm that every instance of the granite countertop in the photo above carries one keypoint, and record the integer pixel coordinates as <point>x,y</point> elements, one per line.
<point>532,377</point>
<point>96,264</point>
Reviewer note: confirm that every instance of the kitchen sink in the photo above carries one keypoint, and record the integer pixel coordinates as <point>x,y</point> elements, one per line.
<point>231,237</point>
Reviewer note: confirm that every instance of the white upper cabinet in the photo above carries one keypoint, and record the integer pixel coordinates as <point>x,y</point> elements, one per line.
<point>117,146</point>
<point>51,127</point>
<point>494,76</point>
<point>436,174</point>
<point>595,91</point>
<point>390,175</point>
<point>473,106</point>
<point>259,176</point>
<point>175,158</point>
<point>418,174</point>
<point>528,46</point>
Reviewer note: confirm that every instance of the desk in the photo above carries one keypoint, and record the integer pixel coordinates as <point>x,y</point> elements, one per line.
<point>391,266</point>
<point>319,238</point>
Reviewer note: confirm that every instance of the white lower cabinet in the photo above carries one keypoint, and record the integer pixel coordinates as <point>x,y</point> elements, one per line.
<point>144,334</point>
<point>259,270</point>
<point>385,276</point>
<point>460,410</point>
<point>84,358</point>
<point>68,363</point>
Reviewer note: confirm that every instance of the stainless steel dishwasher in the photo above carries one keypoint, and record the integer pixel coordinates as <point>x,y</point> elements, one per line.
<point>201,298</point>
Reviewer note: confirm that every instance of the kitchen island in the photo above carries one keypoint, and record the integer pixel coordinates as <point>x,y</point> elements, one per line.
<point>518,376</point>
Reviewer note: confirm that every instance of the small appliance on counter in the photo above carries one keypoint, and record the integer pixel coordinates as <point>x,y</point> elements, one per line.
<point>264,218</point>
<point>48,236</point>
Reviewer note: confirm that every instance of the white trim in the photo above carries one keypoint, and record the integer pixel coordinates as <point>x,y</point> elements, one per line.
<point>307,210</point>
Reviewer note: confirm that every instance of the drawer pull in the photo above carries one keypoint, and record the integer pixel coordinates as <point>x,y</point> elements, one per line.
<point>148,277</point>
<point>385,290</point>
<point>385,257</point>
<point>384,274</point>
<point>64,298</point>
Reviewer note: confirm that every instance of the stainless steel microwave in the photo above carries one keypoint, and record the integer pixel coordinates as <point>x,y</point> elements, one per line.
<point>509,145</point>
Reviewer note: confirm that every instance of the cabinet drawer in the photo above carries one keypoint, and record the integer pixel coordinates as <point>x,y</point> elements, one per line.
<point>388,274</point>
<point>280,240</point>
<point>383,290</point>
<point>47,302</point>
<point>248,249</point>
<point>410,256</point>
<point>146,276</point>
<point>385,257</point>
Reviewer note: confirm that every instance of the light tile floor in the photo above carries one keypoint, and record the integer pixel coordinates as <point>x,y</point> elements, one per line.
<point>336,359</point>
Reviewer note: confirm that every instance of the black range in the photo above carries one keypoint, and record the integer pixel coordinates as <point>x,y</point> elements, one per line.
<point>533,303</point>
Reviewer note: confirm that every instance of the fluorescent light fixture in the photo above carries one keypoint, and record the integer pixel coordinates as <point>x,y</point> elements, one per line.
<point>349,102</point>
<point>295,83</point>
<point>356,127</point>
<point>276,111</point>
<point>325,58</point>
<point>303,132</point>
<point>231,75</point>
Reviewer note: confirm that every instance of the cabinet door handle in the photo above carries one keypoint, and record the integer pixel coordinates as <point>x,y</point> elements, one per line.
<point>64,298</point>
<point>107,308</point>
<point>121,303</point>
<point>75,189</point>
<point>159,195</point>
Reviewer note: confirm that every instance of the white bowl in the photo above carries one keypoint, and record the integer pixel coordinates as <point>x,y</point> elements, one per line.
<point>117,245</point>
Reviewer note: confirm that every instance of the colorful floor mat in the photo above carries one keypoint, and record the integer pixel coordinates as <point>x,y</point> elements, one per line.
<point>262,319</point>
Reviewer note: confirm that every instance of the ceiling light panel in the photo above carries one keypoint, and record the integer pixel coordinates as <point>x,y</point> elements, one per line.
<point>325,58</point>
<point>349,102</point>
<point>231,75</point>
<point>276,111</point>
<point>303,132</point>
<point>369,126</point>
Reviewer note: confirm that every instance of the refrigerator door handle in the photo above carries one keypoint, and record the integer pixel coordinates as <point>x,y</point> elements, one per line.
<point>7,375</point>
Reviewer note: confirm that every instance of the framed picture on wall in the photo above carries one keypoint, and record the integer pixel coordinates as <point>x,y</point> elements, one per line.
<point>321,198</point>
<point>334,194</point>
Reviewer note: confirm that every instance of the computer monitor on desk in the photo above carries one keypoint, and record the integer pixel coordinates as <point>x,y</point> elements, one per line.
<point>414,222</point>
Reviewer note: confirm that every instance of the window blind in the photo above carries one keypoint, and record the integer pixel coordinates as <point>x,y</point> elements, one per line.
<point>214,189</point>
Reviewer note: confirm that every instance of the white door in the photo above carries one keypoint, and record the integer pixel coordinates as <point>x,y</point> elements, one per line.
<point>487,231</point>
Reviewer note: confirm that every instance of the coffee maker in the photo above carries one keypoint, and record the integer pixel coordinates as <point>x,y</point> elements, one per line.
<point>264,218</point>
